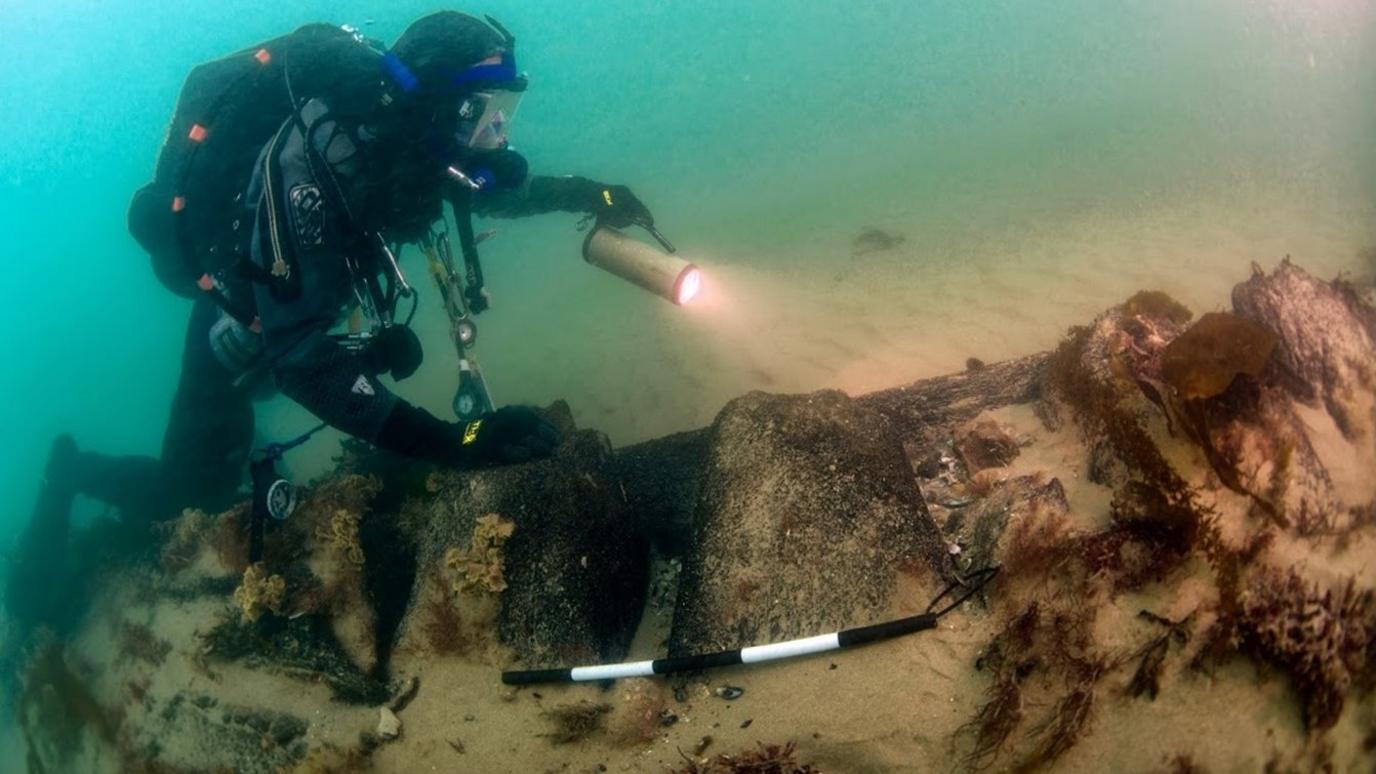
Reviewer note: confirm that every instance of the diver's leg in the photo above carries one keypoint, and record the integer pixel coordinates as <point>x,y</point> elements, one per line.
<point>210,431</point>
<point>40,558</point>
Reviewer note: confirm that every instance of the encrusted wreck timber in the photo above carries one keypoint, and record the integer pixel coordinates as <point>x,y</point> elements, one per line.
<point>575,565</point>
<point>662,477</point>
<point>1327,341</point>
<point>808,509</point>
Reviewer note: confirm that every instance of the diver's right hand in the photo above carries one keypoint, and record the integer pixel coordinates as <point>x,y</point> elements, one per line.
<point>508,436</point>
<point>617,207</point>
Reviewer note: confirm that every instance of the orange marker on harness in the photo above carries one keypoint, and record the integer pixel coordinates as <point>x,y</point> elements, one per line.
<point>178,203</point>
<point>197,133</point>
<point>263,56</point>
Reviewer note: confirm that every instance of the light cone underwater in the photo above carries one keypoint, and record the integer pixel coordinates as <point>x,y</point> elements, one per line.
<point>665,275</point>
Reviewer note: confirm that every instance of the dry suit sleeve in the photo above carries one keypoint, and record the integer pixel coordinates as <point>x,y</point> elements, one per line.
<point>540,194</point>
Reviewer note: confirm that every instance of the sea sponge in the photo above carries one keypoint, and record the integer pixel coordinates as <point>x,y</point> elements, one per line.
<point>1204,360</point>
<point>184,536</point>
<point>260,592</point>
<point>479,568</point>
<point>341,534</point>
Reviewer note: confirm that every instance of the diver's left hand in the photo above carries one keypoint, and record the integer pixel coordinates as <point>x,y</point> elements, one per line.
<point>617,207</point>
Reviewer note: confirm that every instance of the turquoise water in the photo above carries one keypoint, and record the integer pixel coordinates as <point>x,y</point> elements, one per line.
<point>1042,159</point>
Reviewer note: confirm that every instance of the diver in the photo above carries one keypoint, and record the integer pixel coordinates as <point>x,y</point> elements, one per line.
<point>363,147</point>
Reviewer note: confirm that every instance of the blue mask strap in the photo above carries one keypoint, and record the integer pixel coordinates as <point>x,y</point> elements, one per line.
<point>401,74</point>
<point>498,72</point>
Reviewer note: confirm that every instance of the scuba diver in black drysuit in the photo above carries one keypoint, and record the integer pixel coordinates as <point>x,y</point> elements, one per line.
<point>372,145</point>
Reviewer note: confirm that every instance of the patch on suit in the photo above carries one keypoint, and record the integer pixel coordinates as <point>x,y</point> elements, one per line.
<point>308,215</point>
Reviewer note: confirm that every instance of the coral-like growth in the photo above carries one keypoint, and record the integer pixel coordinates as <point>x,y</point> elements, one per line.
<point>575,722</point>
<point>229,538</point>
<point>479,568</point>
<point>333,513</point>
<point>765,759</point>
<point>340,533</point>
<point>183,541</point>
<point>260,592</point>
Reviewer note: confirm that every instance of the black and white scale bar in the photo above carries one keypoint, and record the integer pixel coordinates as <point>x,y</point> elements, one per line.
<point>752,655</point>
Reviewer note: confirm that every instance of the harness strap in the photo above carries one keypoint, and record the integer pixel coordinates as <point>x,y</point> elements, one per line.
<point>468,245</point>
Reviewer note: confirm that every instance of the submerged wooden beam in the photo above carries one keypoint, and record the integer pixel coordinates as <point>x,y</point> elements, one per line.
<point>927,410</point>
<point>661,477</point>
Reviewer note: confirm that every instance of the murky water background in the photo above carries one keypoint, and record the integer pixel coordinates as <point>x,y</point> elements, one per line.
<point>1040,160</point>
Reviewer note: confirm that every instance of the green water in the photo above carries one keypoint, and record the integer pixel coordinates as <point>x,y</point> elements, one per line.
<point>1041,160</point>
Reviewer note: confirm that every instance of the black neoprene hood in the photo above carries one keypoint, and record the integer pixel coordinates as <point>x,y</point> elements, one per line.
<point>439,46</point>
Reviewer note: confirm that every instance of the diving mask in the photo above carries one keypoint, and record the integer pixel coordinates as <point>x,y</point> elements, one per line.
<point>485,118</point>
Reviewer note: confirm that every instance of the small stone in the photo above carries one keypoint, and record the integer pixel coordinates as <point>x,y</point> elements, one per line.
<point>667,717</point>
<point>388,724</point>
<point>729,692</point>
<point>986,444</point>
<point>746,723</point>
<point>469,718</point>
<point>405,695</point>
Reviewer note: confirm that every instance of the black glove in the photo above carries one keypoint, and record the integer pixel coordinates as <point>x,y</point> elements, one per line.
<point>396,350</point>
<point>616,206</point>
<point>507,436</point>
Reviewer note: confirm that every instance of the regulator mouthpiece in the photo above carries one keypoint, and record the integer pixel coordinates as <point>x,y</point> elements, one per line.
<point>665,275</point>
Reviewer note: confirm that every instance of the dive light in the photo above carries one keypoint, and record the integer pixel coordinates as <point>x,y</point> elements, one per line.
<point>655,270</point>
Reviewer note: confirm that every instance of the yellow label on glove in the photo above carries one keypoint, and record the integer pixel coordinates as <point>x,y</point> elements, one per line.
<point>607,197</point>
<point>470,433</point>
